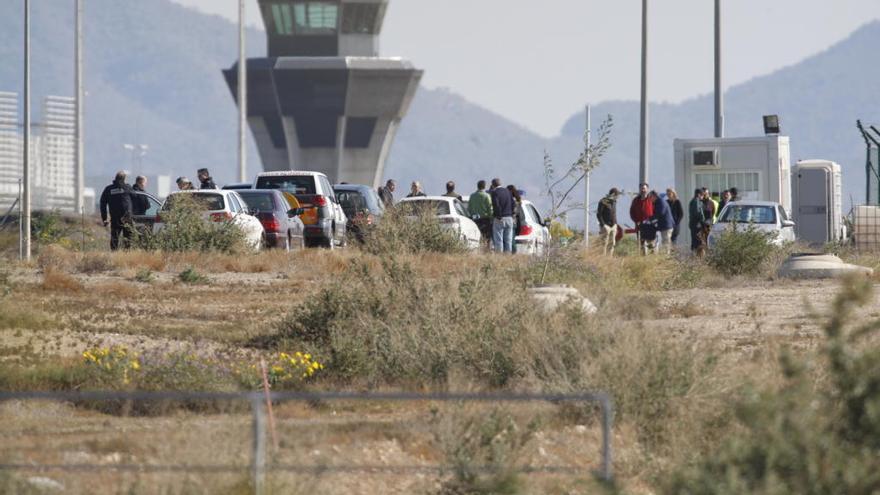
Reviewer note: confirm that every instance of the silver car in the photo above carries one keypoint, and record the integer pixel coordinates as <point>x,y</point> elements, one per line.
<point>766,216</point>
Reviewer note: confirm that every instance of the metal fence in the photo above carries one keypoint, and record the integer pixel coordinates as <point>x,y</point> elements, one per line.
<point>258,401</point>
<point>866,228</point>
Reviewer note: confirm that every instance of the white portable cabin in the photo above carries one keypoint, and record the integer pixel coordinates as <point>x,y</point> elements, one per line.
<point>758,167</point>
<point>817,200</point>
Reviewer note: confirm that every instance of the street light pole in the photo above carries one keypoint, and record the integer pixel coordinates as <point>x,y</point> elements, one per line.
<point>643,139</point>
<point>719,94</point>
<point>79,178</point>
<point>242,95</point>
<point>26,152</point>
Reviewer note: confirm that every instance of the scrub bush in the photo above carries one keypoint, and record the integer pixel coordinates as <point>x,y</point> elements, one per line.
<point>741,251</point>
<point>397,232</point>
<point>808,436</point>
<point>186,229</point>
<point>192,277</point>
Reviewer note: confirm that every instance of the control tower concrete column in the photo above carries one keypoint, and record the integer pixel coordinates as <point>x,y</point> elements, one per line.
<point>323,99</point>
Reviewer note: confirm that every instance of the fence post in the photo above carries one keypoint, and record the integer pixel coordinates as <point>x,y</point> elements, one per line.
<point>607,418</point>
<point>258,457</point>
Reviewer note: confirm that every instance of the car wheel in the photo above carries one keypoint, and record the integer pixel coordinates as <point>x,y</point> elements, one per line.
<point>331,242</point>
<point>287,243</point>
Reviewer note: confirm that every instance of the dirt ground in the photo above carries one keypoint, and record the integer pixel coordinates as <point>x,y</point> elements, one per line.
<point>109,310</point>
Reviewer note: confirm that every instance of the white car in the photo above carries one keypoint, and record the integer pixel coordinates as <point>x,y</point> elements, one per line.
<point>451,214</point>
<point>533,236</point>
<point>763,215</point>
<point>221,206</point>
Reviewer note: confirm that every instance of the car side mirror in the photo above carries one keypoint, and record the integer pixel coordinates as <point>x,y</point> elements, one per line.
<point>295,212</point>
<point>787,224</point>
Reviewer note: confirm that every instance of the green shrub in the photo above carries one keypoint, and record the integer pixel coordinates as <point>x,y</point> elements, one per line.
<point>145,276</point>
<point>741,251</point>
<point>192,277</point>
<point>48,228</point>
<point>808,436</point>
<point>482,452</point>
<point>185,229</point>
<point>399,233</point>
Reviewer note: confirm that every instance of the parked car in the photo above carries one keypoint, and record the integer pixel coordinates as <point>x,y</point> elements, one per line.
<point>279,217</point>
<point>449,212</point>
<point>144,221</point>
<point>361,205</point>
<point>763,215</point>
<point>534,235</point>
<point>220,206</point>
<point>238,186</point>
<point>324,219</point>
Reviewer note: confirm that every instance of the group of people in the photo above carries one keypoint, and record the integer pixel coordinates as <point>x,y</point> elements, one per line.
<point>495,210</point>
<point>120,202</point>
<point>658,219</point>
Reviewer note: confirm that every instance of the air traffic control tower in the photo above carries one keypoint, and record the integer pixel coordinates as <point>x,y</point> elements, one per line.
<point>323,99</point>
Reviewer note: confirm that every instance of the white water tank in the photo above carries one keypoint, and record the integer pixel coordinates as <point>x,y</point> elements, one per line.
<point>817,201</point>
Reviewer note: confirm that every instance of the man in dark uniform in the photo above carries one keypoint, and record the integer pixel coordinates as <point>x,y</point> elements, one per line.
<point>205,179</point>
<point>117,199</point>
<point>140,203</point>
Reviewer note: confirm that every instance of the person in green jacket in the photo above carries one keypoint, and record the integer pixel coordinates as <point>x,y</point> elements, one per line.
<point>480,209</point>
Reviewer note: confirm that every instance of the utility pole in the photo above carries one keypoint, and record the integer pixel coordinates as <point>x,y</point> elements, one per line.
<point>242,95</point>
<point>26,152</point>
<point>589,171</point>
<point>643,139</point>
<point>719,92</point>
<point>79,177</point>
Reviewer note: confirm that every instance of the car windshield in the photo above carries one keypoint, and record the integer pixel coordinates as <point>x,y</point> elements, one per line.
<point>425,207</point>
<point>296,184</point>
<point>208,201</point>
<point>749,214</point>
<point>258,201</point>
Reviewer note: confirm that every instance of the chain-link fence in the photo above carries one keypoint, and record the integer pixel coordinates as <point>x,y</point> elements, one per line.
<point>351,442</point>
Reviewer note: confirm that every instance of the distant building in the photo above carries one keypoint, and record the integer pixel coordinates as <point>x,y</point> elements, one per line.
<point>323,99</point>
<point>52,154</point>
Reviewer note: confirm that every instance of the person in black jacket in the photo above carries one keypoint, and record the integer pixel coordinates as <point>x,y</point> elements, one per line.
<point>205,178</point>
<point>607,216</point>
<point>116,199</point>
<point>677,213</point>
<point>504,223</point>
<point>139,202</point>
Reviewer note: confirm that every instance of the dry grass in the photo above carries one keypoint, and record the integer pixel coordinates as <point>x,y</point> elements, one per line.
<point>55,280</point>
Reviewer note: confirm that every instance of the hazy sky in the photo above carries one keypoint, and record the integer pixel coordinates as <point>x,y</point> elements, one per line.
<point>537,62</point>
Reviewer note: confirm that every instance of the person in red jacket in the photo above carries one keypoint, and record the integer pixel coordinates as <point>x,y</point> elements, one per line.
<point>642,210</point>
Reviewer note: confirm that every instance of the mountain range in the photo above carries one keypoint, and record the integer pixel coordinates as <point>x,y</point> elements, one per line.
<point>153,77</point>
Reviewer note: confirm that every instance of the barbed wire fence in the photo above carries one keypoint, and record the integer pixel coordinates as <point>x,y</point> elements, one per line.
<point>259,467</point>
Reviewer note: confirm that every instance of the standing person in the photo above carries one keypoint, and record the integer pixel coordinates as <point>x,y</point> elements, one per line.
<point>116,199</point>
<point>640,211</point>
<point>677,212</point>
<point>205,180</point>
<point>140,203</point>
<point>607,216</point>
<point>710,205</point>
<point>503,223</point>
<point>725,198</point>
<point>415,190</point>
<point>184,184</point>
<point>517,214</point>
<point>386,194</point>
<point>480,208</point>
<point>450,191</point>
<point>663,222</point>
<point>696,219</point>
<point>734,194</point>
